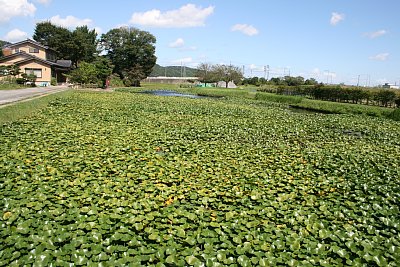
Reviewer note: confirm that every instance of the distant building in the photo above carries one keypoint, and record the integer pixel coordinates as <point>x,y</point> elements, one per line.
<point>390,86</point>
<point>34,58</point>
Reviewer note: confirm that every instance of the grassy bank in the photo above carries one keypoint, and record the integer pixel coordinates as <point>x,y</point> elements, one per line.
<point>28,108</point>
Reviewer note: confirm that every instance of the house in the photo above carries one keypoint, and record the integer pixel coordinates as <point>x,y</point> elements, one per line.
<point>390,86</point>
<point>34,58</point>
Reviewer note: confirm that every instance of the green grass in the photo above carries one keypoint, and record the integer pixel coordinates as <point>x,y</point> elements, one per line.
<point>116,179</point>
<point>343,108</point>
<point>278,98</point>
<point>295,101</point>
<point>28,108</point>
<point>11,86</point>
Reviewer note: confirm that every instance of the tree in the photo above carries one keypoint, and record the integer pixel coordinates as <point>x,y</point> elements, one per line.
<point>85,44</point>
<point>133,76</point>
<point>14,70</point>
<point>205,73</point>
<point>57,38</point>
<point>78,45</point>
<point>92,73</point>
<point>311,81</point>
<point>86,73</point>
<point>132,52</point>
<point>104,68</point>
<point>228,73</point>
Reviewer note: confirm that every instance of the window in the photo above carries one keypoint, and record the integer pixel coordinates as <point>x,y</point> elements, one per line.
<point>16,50</point>
<point>36,72</point>
<point>33,50</point>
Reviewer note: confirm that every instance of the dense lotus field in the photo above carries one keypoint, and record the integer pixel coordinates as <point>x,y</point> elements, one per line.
<point>116,179</point>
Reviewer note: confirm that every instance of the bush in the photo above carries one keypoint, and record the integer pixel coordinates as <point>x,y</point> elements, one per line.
<point>20,81</point>
<point>115,81</point>
<point>53,81</point>
<point>395,115</point>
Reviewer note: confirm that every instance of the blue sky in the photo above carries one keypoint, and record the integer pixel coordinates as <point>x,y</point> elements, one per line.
<point>336,41</point>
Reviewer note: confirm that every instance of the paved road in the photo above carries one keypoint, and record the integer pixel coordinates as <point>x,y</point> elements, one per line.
<point>10,96</point>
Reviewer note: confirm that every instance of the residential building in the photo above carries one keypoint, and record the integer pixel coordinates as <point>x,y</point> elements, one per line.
<point>34,58</point>
<point>390,86</point>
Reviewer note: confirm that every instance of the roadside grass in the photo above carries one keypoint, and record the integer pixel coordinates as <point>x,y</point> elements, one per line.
<point>29,108</point>
<point>11,86</point>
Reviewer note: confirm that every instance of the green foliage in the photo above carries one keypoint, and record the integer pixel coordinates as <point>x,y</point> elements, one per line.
<point>77,45</point>
<point>27,109</point>
<point>85,45</point>
<point>133,76</point>
<point>344,108</point>
<point>395,115</point>
<point>92,73</point>
<point>226,73</point>
<point>56,37</point>
<point>53,81</point>
<point>144,180</point>
<point>85,74</point>
<point>115,81</point>
<point>279,98</point>
<point>132,52</point>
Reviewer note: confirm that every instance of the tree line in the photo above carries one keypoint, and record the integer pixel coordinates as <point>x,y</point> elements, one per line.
<point>339,93</point>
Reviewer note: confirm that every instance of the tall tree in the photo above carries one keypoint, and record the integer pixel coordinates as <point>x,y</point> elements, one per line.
<point>132,52</point>
<point>78,45</point>
<point>85,44</point>
<point>56,37</point>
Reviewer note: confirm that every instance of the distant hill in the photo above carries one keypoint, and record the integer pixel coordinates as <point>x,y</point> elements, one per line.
<point>173,71</point>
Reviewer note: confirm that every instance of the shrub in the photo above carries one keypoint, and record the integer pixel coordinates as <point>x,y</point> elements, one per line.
<point>395,115</point>
<point>20,81</point>
<point>53,81</point>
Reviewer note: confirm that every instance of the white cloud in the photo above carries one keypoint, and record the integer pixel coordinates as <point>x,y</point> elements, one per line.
<point>43,2</point>
<point>373,35</point>
<point>15,8</point>
<point>70,21</point>
<point>15,35</point>
<point>186,16</point>
<point>336,18</point>
<point>177,43</point>
<point>380,57</point>
<point>185,60</point>
<point>245,29</point>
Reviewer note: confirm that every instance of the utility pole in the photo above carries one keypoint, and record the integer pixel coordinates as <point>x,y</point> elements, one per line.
<point>267,72</point>
<point>243,70</point>
<point>327,76</point>
<point>358,80</point>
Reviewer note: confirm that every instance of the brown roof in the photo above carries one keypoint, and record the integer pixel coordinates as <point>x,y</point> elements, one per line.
<point>28,57</point>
